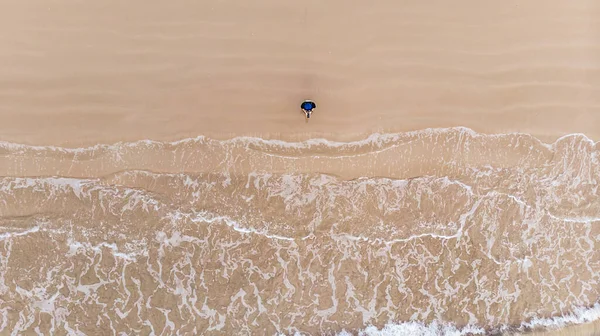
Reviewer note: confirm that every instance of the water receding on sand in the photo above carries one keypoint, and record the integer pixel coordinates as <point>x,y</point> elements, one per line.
<point>444,228</point>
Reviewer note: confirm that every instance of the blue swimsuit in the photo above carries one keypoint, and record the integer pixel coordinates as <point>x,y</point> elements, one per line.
<point>308,106</point>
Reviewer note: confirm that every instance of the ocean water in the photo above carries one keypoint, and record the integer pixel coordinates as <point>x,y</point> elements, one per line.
<point>433,232</point>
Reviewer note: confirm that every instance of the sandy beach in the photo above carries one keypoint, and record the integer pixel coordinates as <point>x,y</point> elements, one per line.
<point>158,177</point>
<point>113,71</point>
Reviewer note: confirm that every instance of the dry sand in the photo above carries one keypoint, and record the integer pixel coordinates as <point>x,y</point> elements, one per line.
<point>442,224</point>
<point>75,72</point>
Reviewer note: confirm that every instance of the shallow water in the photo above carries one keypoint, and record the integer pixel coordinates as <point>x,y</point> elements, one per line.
<point>241,236</point>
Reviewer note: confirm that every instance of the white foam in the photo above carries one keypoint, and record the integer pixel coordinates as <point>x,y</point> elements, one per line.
<point>578,316</point>
<point>375,139</point>
<point>75,247</point>
<point>206,217</point>
<point>290,188</point>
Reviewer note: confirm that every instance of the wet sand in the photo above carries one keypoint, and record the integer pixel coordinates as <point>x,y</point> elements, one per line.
<point>157,175</point>
<point>590,329</point>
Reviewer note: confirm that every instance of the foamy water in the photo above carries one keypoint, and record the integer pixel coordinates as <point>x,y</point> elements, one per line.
<point>441,231</point>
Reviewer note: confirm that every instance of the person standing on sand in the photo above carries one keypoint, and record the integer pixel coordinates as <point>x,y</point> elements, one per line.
<point>307,107</point>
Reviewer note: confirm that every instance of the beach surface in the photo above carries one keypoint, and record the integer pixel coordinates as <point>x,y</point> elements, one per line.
<point>157,175</point>
<point>77,73</point>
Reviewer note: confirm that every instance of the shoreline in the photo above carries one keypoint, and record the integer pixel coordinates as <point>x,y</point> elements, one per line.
<point>294,139</point>
<point>370,144</point>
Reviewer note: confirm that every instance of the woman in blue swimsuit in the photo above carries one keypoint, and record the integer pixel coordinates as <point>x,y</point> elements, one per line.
<point>307,107</point>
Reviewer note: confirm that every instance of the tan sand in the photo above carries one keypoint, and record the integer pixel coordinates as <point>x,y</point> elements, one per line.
<point>74,72</point>
<point>247,236</point>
